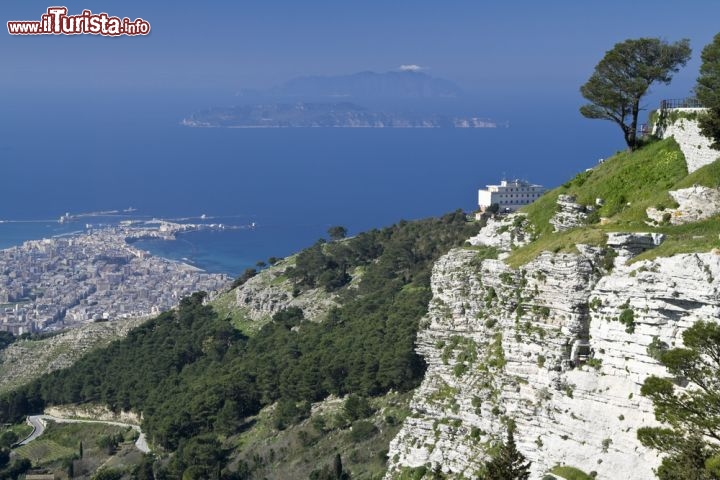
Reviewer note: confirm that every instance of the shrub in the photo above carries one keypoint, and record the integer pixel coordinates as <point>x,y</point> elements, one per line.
<point>288,412</point>
<point>627,317</point>
<point>460,369</point>
<point>541,361</point>
<point>357,407</point>
<point>570,473</point>
<point>595,363</point>
<point>606,444</point>
<point>362,430</point>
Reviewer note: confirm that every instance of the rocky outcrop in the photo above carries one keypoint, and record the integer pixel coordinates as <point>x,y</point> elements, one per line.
<point>693,144</point>
<point>694,204</point>
<point>559,347</point>
<point>504,232</point>
<point>628,245</point>
<point>25,360</point>
<point>569,214</point>
<point>93,412</point>
<point>271,291</point>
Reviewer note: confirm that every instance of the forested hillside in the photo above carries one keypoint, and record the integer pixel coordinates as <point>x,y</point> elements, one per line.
<point>196,379</point>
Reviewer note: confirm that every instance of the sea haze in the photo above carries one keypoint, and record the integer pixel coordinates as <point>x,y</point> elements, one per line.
<point>87,151</point>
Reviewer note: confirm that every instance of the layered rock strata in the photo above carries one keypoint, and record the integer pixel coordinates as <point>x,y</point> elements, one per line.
<point>558,347</point>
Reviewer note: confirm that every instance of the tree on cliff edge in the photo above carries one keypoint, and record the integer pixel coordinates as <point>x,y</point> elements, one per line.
<point>708,91</point>
<point>507,463</point>
<point>691,415</point>
<point>624,76</point>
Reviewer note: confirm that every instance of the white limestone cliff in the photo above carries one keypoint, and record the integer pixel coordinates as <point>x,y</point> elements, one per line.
<point>694,204</point>
<point>693,144</point>
<point>559,347</point>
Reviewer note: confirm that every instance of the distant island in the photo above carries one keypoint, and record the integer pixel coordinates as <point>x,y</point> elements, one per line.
<point>345,114</point>
<point>403,84</point>
<point>395,99</point>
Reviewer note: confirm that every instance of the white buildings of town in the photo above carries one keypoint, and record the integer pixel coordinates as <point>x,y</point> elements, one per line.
<point>509,195</point>
<point>67,281</point>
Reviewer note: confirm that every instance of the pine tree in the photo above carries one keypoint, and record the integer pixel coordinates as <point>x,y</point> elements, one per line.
<point>708,91</point>
<point>338,467</point>
<point>508,463</point>
<point>624,75</point>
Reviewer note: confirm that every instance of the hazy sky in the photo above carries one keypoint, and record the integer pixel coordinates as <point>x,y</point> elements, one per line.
<point>542,47</point>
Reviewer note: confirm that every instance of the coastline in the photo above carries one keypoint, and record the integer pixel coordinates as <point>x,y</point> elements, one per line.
<point>75,278</point>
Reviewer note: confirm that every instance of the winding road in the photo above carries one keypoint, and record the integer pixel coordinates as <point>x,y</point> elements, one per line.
<point>38,423</point>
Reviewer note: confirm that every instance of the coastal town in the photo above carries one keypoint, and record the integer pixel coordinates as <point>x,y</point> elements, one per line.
<point>97,275</point>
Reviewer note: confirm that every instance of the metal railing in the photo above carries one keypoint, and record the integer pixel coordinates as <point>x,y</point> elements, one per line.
<point>680,103</point>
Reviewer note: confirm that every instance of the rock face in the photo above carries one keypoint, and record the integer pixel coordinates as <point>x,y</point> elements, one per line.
<point>503,232</point>
<point>694,204</point>
<point>693,144</point>
<point>269,292</point>
<point>559,347</point>
<point>569,214</point>
<point>93,412</point>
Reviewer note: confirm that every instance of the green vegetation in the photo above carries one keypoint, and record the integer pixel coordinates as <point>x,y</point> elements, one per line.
<point>640,178</point>
<point>337,232</point>
<point>707,176</point>
<point>82,447</point>
<point>197,380</point>
<point>246,275</point>
<point>629,183</point>
<point>693,237</point>
<point>623,77</point>
<point>6,338</point>
<point>417,473</point>
<point>484,253</point>
<point>691,416</point>
<point>19,431</point>
<point>226,308</point>
<point>308,448</point>
<point>627,317</point>
<point>506,462</point>
<point>666,117</point>
<point>595,363</point>
<point>570,473</point>
<point>30,356</point>
<point>708,91</point>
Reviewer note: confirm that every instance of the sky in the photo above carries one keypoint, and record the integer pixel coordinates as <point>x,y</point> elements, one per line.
<point>518,49</point>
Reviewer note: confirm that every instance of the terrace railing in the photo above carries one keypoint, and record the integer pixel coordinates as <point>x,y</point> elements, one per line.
<point>680,103</point>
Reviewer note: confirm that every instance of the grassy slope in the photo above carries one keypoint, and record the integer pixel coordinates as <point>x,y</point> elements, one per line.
<point>25,360</point>
<point>312,444</point>
<point>570,473</point>
<point>61,441</point>
<point>226,306</point>
<point>629,183</point>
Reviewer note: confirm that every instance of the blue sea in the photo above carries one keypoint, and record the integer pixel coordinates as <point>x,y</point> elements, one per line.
<point>85,151</point>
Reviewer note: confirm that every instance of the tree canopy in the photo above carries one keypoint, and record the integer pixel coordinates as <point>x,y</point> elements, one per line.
<point>708,91</point>
<point>507,463</point>
<point>337,232</point>
<point>623,77</point>
<point>691,415</point>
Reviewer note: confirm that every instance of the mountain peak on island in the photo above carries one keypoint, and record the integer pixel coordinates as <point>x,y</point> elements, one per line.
<point>399,84</point>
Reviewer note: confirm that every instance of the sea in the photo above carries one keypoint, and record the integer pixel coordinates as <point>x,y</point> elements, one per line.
<point>80,152</point>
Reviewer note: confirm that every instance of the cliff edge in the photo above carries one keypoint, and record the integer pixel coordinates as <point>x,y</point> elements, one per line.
<point>552,318</point>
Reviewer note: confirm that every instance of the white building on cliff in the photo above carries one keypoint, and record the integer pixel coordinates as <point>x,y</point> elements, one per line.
<point>509,196</point>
